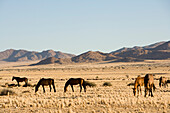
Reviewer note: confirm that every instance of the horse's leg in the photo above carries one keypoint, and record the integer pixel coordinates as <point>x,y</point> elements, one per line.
<point>165,84</point>
<point>146,91</point>
<point>151,90</point>
<point>80,87</point>
<point>26,82</point>
<point>43,88</point>
<point>50,87</point>
<point>18,84</point>
<point>72,88</point>
<point>140,91</point>
<point>84,86</point>
<point>54,87</point>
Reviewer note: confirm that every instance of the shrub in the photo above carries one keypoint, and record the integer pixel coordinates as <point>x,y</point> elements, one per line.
<point>90,84</point>
<point>28,85</point>
<point>131,84</point>
<point>107,84</point>
<point>6,92</point>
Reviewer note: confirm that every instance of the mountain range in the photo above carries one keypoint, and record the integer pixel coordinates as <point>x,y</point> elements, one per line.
<point>160,50</point>
<point>156,51</point>
<point>12,55</point>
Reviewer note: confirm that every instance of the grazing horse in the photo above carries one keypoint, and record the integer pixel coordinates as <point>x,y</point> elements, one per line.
<point>149,84</point>
<point>75,81</point>
<point>138,83</point>
<point>45,82</point>
<point>18,79</point>
<point>163,82</point>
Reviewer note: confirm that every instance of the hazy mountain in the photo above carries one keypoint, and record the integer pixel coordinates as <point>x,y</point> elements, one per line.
<point>12,55</point>
<point>148,47</point>
<point>164,46</point>
<point>155,51</point>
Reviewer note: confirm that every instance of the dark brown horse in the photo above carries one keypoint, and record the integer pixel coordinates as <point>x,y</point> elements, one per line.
<point>75,81</point>
<point>163,82</point>
<point>149,84</point>
<point>18,79</point>
<point>138,83</point>
<point>45,82</point>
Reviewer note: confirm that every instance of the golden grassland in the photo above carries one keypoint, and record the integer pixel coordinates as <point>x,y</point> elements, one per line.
<point>100,99</point>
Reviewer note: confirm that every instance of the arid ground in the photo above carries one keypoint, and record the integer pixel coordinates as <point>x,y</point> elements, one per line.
<point>100,99</point>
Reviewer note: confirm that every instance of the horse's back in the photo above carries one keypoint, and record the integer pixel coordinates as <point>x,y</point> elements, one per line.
<point>140,80</point>
<point>149,79</point>
<point>75,81</point>
<point>20,79</point>
<point>48,81</point>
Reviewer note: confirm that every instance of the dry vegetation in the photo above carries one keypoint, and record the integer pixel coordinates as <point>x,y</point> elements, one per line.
<point>99,99</point>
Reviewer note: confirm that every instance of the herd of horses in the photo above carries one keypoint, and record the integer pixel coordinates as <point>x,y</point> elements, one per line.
<point>50,81</point>
<point>147,82</point>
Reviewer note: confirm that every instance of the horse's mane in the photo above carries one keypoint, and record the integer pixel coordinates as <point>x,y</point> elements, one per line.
<point>66,84</point>
<point>39,83</point>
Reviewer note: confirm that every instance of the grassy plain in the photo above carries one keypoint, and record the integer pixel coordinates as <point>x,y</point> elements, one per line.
<point>100,99</point>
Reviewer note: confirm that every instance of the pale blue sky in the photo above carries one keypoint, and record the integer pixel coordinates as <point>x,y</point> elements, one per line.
<point>77,26</point>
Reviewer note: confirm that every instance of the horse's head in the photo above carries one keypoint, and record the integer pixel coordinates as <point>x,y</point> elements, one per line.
<point>13,78</point>
<point>134,91</point>
<point>65,89</point>
<point>36,88</point>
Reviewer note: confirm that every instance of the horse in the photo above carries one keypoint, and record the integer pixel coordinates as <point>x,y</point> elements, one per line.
<point>163,82</point>
<point>149,84</point>
<point>138,83</point>
<point>45,82</point>
<point>18,79</point>
<point>75,81</point>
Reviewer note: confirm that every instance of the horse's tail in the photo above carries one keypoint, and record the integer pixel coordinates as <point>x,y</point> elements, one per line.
<point>160,80</point>
<point>26,81</point>
<point>154,88</point>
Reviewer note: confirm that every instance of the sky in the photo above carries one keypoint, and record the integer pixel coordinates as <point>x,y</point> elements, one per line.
<point>77,26</point>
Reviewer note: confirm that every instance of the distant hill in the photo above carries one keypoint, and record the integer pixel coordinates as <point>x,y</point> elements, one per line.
<point>164,46</point>
<point>52,60</point>
<point>128,59</point>
<point>155,51</point>
<point>148,47</point>
<point>12,55</point>
<point>93,56</point>
<point>87,57</point>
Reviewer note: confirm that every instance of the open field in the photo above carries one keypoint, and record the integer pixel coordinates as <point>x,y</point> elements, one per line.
<point>100,99</point>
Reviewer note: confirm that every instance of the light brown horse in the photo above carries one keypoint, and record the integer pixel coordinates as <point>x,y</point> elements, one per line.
<point>163,82</point>
<point>18,79</point>
<point>149,84</point>
<point>138,83</point>
<point>75,81</point>
<point>45,82</point>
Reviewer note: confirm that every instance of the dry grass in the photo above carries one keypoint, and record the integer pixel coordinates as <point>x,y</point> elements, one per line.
<point>116,98</point>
